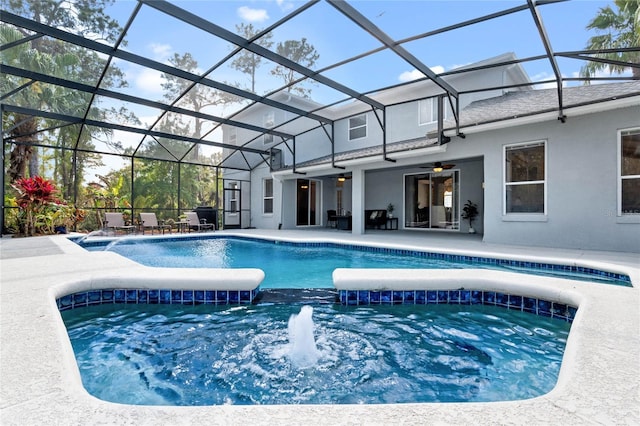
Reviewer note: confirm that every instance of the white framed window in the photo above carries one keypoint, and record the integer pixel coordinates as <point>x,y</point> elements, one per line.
<point>428,111</point>
<point>233,197</point>
<point>233,135</point>
<point>269,120</point>
<point>424,112</point>
<point>629,172</point>
<point>267,196</point>
<point>358,127</point>
<point>525,178</point>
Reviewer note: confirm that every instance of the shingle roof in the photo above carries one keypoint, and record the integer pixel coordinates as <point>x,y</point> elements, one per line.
<point>530,102</point>
<point>511,105</point>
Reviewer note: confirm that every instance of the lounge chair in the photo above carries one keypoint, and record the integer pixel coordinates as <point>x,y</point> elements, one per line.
<point>375,219</point>
<point>198,224</point>
<point>115,221</point>
<point>150,221</point>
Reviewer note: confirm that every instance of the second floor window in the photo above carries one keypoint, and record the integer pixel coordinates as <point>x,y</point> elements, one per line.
<point>524,178</point>
<point>267,196</point>
<point>629,172</point>
<point>269,122</point>
<point>233,135</point>
<point>428,111</point>
<point>358,127</point>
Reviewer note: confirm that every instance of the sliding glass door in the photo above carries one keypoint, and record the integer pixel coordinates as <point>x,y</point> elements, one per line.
<point>432,201</point>
<point>308,206</point>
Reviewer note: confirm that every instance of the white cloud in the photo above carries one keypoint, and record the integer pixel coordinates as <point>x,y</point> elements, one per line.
<point>252,15</point>
<point>149,81</point>
<point>410,75</point>
<point>604,73</point>
<point>543,76</point>
<point>160,51</point>
<point>284,5</point>
<point>415,74</point>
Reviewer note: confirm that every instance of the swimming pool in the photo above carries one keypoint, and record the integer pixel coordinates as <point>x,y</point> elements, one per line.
<point>310,265</point>
<point>246,355</point>
<point>41,379</point>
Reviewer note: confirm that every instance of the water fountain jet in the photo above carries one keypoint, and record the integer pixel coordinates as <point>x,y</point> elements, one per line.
<point>117,241</point>
<point>98,233</point>
<point>303,351</point>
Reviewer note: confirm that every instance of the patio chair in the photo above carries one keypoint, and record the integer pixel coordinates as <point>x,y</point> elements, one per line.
<point>332,220</point>
<point>198,224</point>
<point>208,213</point>
<point>115,221</point>
<point>375,219</point>
<point>150,221</point>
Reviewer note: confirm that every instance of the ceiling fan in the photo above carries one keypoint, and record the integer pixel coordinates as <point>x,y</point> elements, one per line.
<point>438,167</point>
<point>342,177</point>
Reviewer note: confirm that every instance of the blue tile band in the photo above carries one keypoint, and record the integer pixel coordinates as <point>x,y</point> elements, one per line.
<point>531,305</point>
<point>156,297</point>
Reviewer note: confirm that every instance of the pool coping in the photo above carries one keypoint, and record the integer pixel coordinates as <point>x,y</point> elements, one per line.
<point>41,384</point>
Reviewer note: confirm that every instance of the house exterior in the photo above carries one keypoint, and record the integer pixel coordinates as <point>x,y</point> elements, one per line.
<point>544,168</point>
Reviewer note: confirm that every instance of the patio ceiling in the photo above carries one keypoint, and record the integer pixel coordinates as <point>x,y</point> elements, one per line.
<point>351,41</point>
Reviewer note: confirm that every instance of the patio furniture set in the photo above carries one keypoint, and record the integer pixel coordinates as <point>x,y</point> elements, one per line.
<point>115,222</point>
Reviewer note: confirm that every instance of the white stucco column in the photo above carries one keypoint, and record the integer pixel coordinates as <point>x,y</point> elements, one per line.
<point>357,201</point>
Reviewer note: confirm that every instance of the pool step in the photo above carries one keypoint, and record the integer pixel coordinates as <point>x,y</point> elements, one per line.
<point>296,295</point>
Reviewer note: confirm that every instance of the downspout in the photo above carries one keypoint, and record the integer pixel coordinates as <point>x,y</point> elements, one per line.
<point>332,139</point>
<point>294,158</point>
<point>384,133</point>
<point>281,199</point>
<point>2,228</point>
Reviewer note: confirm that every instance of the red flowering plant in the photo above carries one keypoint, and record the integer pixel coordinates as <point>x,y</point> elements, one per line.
<point>34,195</point>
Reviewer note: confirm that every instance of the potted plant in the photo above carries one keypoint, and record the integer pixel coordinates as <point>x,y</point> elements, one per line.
<point>390,209</point>
<point>470,212</point>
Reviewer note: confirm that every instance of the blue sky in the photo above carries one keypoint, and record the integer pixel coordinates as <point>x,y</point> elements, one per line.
<point>156,35</point>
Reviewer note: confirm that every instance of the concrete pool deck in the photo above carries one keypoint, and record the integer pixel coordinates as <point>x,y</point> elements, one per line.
<point>599,382</point>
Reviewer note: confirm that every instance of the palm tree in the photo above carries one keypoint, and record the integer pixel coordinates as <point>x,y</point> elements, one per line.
<point>617,31</point>
<point>24,129</point>
<point>49,56</point>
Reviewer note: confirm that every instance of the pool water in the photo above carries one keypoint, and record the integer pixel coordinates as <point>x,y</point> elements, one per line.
<point>214,355</point>
<point>288,265</point>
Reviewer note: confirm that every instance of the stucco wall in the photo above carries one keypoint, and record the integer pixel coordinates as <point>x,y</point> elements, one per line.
<point>258,218</point>
<point>581,184</point>
<point>581,180</point>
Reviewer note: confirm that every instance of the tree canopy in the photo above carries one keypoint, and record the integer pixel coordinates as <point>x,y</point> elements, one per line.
<point>616,29</point>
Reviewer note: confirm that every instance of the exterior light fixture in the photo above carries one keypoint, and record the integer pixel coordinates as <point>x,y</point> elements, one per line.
<point>438,166</point>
